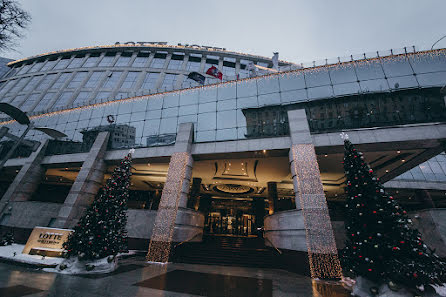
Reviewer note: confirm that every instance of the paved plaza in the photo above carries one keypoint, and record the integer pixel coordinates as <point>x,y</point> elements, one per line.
<point>137,278</point>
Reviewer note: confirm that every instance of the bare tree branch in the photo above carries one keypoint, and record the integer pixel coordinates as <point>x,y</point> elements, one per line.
<point>13,20</point>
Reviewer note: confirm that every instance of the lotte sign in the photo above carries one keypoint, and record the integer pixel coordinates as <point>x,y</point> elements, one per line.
<point>46,241</point>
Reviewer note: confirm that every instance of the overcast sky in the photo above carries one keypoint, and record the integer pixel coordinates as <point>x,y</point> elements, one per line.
<point>300,30</point>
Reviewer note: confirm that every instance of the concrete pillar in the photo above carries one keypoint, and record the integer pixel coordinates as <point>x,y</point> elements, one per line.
<point>175,193</point>
<point>310,198</point>
<point>425,199</point>
<point>87,184</point>
<point>27,180</point>
<point>272,197</point>
<point>194,197</point>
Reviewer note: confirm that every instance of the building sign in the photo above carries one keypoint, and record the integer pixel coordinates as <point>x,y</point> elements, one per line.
<point>195,46</point>
<point>46,241</point>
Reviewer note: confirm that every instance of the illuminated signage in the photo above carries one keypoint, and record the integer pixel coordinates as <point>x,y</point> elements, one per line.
<point>46,241</point>
<point>196,46</point>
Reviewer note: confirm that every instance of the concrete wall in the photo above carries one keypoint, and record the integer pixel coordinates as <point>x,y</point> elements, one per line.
<point>28,214</point>
<point>188,223</point>
<point>432,225</point>
<point>286,230</point>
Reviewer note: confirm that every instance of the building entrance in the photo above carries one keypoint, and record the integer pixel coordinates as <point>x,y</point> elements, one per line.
<point>233,217</point>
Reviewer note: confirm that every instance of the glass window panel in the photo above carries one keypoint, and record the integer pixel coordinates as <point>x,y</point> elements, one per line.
<point>188,119</point>
<point>150,81</point>
<point>30,101</point>
<point>151,127</point>
<point>94,79</point>
<point>123,61</point>
<point>157,62</point>
<point>396,66</point>
<point>24,69</point>
<point>342,74</point>
<point>63,99</point>
<point>227,91</point>
<point>102,96</point>
<point>208,95</point>
<point>92,61</point>
<point>176,62</point>
<point>77,80</point>
<point>268,85</point>
<point>17,101</point>
<point>169,81</point>
<point>187,98</point>
<point>36,67</point>
<point>139,105</point>
<point>423,63</point>
<point>61,81</point>
<point>76,62</point>
<point>140,61</point>
<point>123,118</point>
<point>207,121</point>
<point>432,79</point>
<point>226,119</point>
<point>153,114</point>
<point>376,85</point>
<point>169,112</point>
<point>45,101</point>
<point>226,104</point>
<point>294,96</point>
<point>247,102</point>
<point>112,80</point>
<point>403,82</point>
<point>315,78</point>
<point>246,88</point>
<point>32,83</point>
<point>204,136</point>
<point>46,82</point>
<point>155,103</point>
<point>168,125</point>
<point>130,80</point>
<point>138,116</point>
<point>346,89</point>
<point>107,60</point>
<point>229,68</point>
<point>125,107</point>
<point>207,107</point>
<point>19,86</point>
<point>369,70</point>
<point>292,81</point>
<point>193,64</point>
<point>226,134</point>
<point>121,95</point>
<point>7,86</point>
<point>188,110</point>
<point>320,92</point>
<point>171,101</point>
<point>82,98</point>
<point>48,65</point>
<point>269,99</point>
<point>63,63</point>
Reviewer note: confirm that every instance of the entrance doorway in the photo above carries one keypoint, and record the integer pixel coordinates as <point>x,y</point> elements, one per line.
<point>233,216</point>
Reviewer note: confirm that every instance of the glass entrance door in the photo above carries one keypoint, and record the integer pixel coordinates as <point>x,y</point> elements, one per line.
<point>241,225</point>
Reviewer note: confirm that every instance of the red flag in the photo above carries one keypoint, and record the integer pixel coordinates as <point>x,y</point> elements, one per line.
<point>213,71</point>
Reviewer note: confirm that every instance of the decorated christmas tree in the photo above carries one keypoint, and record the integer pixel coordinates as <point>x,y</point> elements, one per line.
<point>382,245</point>
<point>101,231</point>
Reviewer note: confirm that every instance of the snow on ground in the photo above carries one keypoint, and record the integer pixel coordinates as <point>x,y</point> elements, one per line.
<point>75,266</point>
<point>7,252</point>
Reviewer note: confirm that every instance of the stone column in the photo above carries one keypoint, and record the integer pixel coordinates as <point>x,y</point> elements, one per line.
<point>27,180</point>
<point>272,197</point>
<point>194,197</point>
<point>310,198</point>
<point>174,195</point>
<point>87,184</point>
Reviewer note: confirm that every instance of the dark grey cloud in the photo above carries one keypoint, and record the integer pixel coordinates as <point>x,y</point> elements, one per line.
<point>300,30</point>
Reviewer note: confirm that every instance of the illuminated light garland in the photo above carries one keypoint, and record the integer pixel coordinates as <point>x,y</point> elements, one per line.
<point>162,234</point>
<point>296,72</point>
<point>322,253</point>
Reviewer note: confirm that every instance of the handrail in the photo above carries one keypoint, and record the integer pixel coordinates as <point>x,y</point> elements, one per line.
<point>187,240</point>
<point>272,244</point>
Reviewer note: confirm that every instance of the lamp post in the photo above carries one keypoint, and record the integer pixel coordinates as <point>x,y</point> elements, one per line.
<point>23,119</point>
